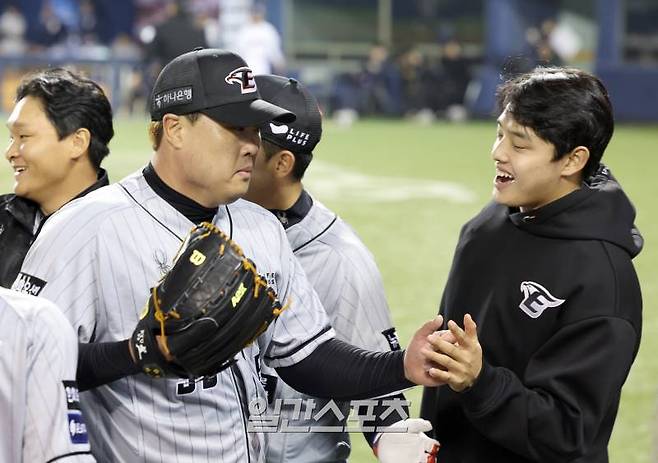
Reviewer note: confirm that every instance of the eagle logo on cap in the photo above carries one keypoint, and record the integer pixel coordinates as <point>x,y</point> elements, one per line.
<point>244,77</point>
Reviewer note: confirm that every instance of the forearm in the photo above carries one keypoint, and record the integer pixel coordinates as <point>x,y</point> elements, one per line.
<point>340,371</point>
<point>101,363</point>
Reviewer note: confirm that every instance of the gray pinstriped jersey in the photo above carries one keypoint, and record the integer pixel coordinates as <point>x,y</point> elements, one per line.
<point>111,247</point>
<point>344,275</point>
<point>39,406</point>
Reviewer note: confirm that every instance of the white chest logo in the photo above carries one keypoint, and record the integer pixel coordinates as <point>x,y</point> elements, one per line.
<point>536,299</point>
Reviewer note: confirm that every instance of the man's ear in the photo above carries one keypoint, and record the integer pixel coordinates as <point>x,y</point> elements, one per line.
<point>80,140</point>
<point>575,161</point>
<point>284,163</point>
<point>172,130</point>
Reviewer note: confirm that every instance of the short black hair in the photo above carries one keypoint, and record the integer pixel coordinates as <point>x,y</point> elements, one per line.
<point>302,159</point>
<point>72,102</point>
<point>564,106</point>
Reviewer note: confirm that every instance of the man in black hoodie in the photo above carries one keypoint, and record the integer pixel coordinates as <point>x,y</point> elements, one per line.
<point>545,271</point>
<point>59,130</point>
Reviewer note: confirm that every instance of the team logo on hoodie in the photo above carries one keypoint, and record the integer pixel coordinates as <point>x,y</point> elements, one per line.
<point>536,299</point>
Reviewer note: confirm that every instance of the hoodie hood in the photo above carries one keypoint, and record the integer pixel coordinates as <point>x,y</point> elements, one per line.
<point>600,210</point>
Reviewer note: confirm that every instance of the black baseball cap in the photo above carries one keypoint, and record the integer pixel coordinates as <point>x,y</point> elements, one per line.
<point>301,135</point>
<point>217,83</point>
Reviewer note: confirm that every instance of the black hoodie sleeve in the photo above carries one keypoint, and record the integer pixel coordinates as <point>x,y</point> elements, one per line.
<point>561,402</point>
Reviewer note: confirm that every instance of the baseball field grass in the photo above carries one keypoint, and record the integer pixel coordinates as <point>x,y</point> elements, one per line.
<point>407,189</point>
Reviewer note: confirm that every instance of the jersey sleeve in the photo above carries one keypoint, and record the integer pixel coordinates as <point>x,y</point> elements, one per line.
<point>350,287</point>
<point>61,266</point>
<point>54,427</point>
<point>304,324</point>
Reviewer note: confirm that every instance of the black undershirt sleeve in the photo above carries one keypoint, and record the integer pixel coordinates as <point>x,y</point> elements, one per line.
<point>341,371</point>
<point>103,362</point>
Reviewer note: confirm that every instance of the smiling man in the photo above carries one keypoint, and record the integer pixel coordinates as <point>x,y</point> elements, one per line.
<point>59,131</point>
<point>542,298</point>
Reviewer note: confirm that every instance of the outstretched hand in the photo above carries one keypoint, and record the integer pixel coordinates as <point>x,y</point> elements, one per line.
<point>458,363</point>
<point>416,363</point>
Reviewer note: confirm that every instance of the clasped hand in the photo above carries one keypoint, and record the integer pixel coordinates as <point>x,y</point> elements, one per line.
<point>455,355</point>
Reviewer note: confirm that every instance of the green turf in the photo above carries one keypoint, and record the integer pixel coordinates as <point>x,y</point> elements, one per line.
<point>413,240</point>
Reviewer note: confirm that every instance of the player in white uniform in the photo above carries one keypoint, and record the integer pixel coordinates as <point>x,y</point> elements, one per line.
<point>339,266</point>
<point>39,405</point>
<point>98,257</point>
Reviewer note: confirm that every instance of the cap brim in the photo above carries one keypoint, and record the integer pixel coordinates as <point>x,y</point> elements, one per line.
<point>249,113</point>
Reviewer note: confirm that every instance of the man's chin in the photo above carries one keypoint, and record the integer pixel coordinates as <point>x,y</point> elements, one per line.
<point>503,201</point>
<point>240,193</point>
<point>20,190</point>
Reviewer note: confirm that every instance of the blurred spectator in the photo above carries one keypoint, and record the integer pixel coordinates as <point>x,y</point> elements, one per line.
<point>176,35</point>
<point>50,30</point>
<point>259,44</point>
<point>210,25</point>
<point>133,86</point>
<point>542,49</point>
<point>419,77</point>
<point>88,22</point>
<point>12,32</point>
<point>562,40</point>
<point>454,78</point>
<point>68,13</point>
<point>376,89</point>
<point>381,85</point>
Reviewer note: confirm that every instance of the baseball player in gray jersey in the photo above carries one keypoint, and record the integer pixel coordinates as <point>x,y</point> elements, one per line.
<point>338,265</point>
<point>98,257</point>
<point>39,405</point>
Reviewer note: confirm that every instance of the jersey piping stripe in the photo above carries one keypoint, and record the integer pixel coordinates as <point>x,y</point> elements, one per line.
<point>316,236</point>
<point>154,217</point>
<point>230,223</point>
<point>66,455</point>
<point>228,212</point>
<point>237,382</point>
<point>302,345</point>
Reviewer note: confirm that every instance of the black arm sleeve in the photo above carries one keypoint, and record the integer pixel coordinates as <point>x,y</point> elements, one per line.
<point>103,362</point>
<point>337,370</point>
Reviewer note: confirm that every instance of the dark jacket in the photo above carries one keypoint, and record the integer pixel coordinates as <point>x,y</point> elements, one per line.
<point>558,308</point>
<point>19,228</point>
<point>178,35</point>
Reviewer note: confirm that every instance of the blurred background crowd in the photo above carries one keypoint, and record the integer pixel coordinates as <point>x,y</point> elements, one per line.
<point>420,59</point>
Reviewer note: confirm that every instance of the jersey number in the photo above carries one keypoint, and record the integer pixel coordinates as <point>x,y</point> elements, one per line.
<point>188,386</point>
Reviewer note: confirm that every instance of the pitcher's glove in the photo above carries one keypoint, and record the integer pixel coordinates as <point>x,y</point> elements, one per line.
<point>205,310</point>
